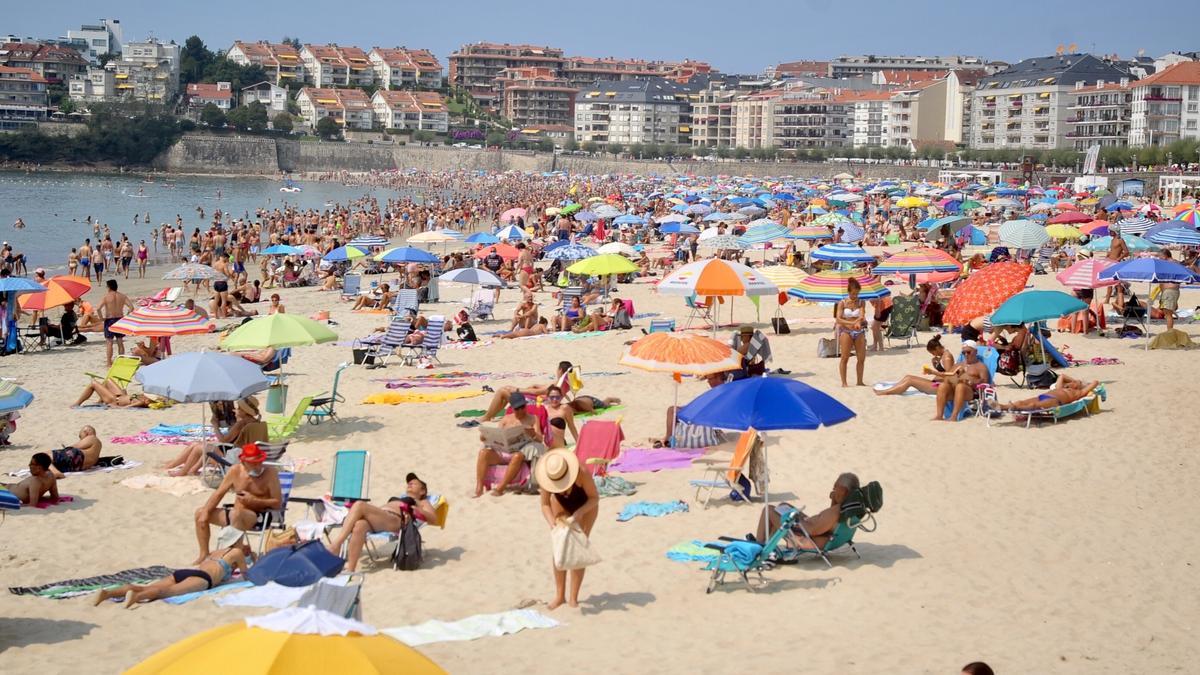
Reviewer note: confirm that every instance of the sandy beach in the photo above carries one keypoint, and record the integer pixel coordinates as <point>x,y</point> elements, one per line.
<point>1048,550</point>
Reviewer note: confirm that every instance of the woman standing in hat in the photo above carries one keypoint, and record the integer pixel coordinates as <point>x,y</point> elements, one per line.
<point>569,497</point>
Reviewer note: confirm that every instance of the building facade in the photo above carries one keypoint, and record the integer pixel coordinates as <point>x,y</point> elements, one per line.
<point>535,96</point>
<point>336,66</point>
<point>866,117</point>
<point>272,96</point>
<point>856,66</point>
<point>55,64</point>
<point>95,86</point>
<point>476,67</point>
<point>23,98</point>
<point>410,110</point>
<point>403,68</point>
<point>148,71</point>
<point>199,95</point>
<point>583,71</point>
<point>349,108</point>
<point>281,62</point>
<point>649,111</point>
<point>1099,114</point>
<point>1165,107</point>
<point>92,40</point>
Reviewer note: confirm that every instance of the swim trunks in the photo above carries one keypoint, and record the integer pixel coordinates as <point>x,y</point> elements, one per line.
<point>108,334</point>
<point>67,459</point>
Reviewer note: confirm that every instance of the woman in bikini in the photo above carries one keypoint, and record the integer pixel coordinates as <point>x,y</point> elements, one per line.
<point>112,394</point>
<point>569,497</point>
<point>365,518</point>
<point>557,407</point>
<point>1066,390</point>
<point>213,571</point>
<point>942,365</point>
<point>850,326</point>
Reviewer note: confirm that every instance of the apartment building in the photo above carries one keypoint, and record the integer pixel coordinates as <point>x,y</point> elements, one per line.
<point>713,108</point>
<point>95,86</point>
<point>92,40</point>
<point>865,115</point>
<point>791,69</point>
<point>789,119</point>
<point>335,66</point>
<point>149,71</point>
<point>653,110</point>
<point>1098,114</point>
<point>403,68</point>
<point>1165,107</point>
<point>535,96</point>
<point>271,95</point>
<point>410,110</point>
<point>856,66</point>
<point>1027,104</point>
<point>53,63</point>
<point>477,67</point>
<point>350,108</point>
<point>281,62</point>
<point>23,97</point>
<point>583,71</point>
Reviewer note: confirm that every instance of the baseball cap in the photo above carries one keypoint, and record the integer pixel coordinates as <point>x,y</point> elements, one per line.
<point>970,344</point>
<point>412,476</point>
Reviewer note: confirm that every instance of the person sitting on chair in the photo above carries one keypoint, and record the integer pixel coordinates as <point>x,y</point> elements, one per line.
<point>1066,390</point>
<point>67,328</point>
<point>531,447</point>
<point>256,489</point>
<point>381,301</point>
<point>754,348</point>
<point>819,527</point>
<point>365,518</point>
<point>192,457</point>
<point>959,384</point>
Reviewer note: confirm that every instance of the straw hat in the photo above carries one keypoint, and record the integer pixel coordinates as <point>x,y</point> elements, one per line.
<point>557,470</point>
<point>248,406</point>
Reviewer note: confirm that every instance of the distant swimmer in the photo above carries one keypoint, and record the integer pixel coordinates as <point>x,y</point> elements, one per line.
<point>19,225</point>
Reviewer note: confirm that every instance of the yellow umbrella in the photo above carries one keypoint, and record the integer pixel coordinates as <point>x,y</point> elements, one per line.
<point>783,276</point>
<point>912,203</point>
<point>294,643</point>
<point>1063,231</point>
<point>601,265</point>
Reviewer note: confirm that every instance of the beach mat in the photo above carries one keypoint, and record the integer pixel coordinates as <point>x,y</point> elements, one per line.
<point>651,509</point>
<point>22,473</point>
<point>47,503</point>
<point>635,460</point>
<point>188,597</point>
<point>472,627</point>
<point>692,551</point>
<point>396,398</point>
<point>71,588</point>
<point>880,386</point>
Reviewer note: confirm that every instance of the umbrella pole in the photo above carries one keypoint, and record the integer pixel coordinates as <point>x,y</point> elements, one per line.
<point>1149,287</point>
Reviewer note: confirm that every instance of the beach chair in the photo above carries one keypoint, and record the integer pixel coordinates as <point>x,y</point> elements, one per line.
<point>275,518</point>
<point>661,326</point>
<point>322,406</point>
<point>855,514</point>
<point>699,309</point>
<point>344,600</point>
<point>428,349</point>
<point>728,477</point>
<point>350,481</point>
<point>407,302</point>
<point>1134,312</point>
<point>281,357</point>
<point>381,545</point>
<point>281,428</point>
<point>744,557</point>
<point>598,446</point>
<point>902,324</point>
<point>388,344</point>
<point>351,286</point>
<point>219,461</point>
<point>991,359</point>
<point>481,305</point>
<point>121,371</point>
<point>1089,405</point>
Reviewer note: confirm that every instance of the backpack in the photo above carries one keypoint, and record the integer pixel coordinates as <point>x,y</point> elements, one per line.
<point>1009,363</point>
<point>407,555</point>
<point>862,502</point>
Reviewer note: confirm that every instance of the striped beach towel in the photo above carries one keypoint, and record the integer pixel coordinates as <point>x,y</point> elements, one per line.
<point>71,588</point>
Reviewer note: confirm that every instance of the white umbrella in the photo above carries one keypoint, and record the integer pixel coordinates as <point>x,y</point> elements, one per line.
<point>618,247</point>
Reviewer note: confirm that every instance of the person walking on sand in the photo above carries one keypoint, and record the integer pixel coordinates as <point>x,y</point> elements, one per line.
<point>568,498</point>
<point>112,309</point>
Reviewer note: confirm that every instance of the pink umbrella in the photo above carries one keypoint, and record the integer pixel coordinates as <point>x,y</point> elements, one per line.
<point>1086,274</point>
<point>511,215</point>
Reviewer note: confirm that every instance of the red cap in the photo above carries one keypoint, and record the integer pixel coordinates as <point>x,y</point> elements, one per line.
<point>252,454</point>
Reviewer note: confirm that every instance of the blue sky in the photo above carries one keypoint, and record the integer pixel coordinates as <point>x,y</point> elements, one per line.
<point>735,36</point>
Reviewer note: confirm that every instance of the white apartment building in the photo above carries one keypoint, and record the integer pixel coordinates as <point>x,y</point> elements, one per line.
<point>410,110</point>
<point>866,117</point>
<point>336,66</point>
<point>23,98</point>
<point>403,68</point>
<point>350,108</point>
<point>92,40</point>
<point>272,96</point>
<point>147,71</point>
<point>96,85</point>
<point>855,66</point>
<point>650,111</point>
<point>1027,104</point>
<point>1099,114</point>
<point>1165,107</point>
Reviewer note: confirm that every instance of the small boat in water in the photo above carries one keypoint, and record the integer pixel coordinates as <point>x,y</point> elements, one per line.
<point>289,186</point>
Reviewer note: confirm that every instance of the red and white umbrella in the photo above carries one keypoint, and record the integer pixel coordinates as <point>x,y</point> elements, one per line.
<point>1086,274</point>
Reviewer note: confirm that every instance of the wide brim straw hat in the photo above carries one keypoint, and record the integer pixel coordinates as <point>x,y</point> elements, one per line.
<point>557,470</point>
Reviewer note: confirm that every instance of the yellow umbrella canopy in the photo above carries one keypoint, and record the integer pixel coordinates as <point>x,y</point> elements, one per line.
<point>783,276</point>
<point>1063,231</point>
<point>600,265</point>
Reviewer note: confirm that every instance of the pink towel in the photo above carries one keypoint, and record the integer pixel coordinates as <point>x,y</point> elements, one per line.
<point>633,460</point>
<point>599,439</point>
<point>47,503</point>
<point>144,438</point>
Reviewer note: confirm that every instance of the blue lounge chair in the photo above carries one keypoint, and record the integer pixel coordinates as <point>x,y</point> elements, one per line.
<point>991,359</point>
<point>351,285</point>
<point>407,302</point>
<point>743,557</point>
<point>389,343</point>
<point>661,326</point>
<point>434,332</point>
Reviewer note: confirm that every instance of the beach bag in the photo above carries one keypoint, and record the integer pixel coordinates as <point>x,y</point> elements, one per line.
<point>408,553</point>
<point>280,538</point>
<point>572,550</point>
<point>780,325</point>
<point>361,357</point>
<point>742,492</point>
<point>1040,377</point>
<point>621,320</point>
<point>1009,363</point>
<point>827,348</point>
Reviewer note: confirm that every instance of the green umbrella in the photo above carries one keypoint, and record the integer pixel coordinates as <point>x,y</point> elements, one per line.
<point>969,205</point>
<point>569,209</point>
<point>602,265</point>
<point>278,330</point>
<point>1032,306</point>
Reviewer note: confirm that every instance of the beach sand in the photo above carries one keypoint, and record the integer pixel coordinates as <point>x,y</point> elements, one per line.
<point>1059,549</point>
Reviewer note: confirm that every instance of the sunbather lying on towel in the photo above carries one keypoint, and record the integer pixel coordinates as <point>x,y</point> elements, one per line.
<point>542,327</point>
<point>111,393</point>
<point>80,457</point>
<point>1066,390</point>
<point>820,526</point>
<point>214,570</point>
<point>365,518</point>
<point>40,481</point>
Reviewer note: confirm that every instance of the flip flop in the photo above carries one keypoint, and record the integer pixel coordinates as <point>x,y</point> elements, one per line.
<point>469,424</point>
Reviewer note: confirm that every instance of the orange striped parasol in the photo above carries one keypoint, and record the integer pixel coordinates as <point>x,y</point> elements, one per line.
<point>684,353</point>
<point>985,290</point>
<point>60,290</point>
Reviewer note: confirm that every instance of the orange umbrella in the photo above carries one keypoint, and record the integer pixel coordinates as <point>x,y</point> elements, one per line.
<point>686,353</point>
<point>985,290</point>
<point>60,290</point>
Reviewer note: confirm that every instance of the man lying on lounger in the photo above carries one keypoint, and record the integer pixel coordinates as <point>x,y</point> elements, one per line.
<point>40,481</point>
<point>1066,390</point>
<point>820,526</point>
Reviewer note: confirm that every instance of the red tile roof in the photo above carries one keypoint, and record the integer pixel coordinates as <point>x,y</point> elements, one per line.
<point>209,91</point>
<point>1185,72</point>
<point>32,75</point>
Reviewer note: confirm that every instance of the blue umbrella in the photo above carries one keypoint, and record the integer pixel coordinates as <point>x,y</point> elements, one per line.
<point>1179,236</point>
<point>476,276</point>
<point>850,232</point>
<point>842,252</point>
<point>1031,306</point>
<point>629,219</point>
<point>406,254</point>
<point>1119,206</point>
<point>765,404</point>
<point>297,565</point>
<point>483,238</point>
<point>20,285</point>
<point>1150,270</point>
<point>13,398</point>
<point>281,249</point>
<point>571,252</point>
<point>1166,225</point>
<point>368,241</point>
<point>678,228</point>
<point>202,376</point>
<point>344,253</point>
<point>511,232</point>
<point>585,216</point>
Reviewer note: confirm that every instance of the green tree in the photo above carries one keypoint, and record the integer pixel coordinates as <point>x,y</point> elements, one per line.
<point>212,116</point>
<point>67,106</point>
<point>637,150</point>
<point>614,149</point>
<point>545,145</point>
<point>194,60</point>
<point>741,153</point>
<point>282,122</point>
<point>590,146</point>
<point>570,146</point>
<point>652,151</point>
<point>327,128</point>
<point>422,135</point>
<point>238,76</point>
<point>723,152</point>
<point>106,57</point>
<point>495,139</point>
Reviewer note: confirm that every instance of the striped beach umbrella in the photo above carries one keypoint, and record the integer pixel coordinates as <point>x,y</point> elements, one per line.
<point>851,233</point>
<point>1135,225</point>
<point>762,231</point>
<point>830,286</point>
<point>1023,234</point>
<point>810,233</point>
<point>830,220</point>
<point>1189,215</point>
<point>1177,236</point>
<point>368,241</point>
<point>346,252</point>
<point>713,277</point>
<point>919,260</point>
<point>783,276</point>
<point>985,290</point>
<point>1135,244</point>
<point>512,233</point>
<point>193,272</point>
<point>843,252</point>
<point>571,252</point>
<point>13,398</point>
<point>162,321</point>
<point>1086,274</point>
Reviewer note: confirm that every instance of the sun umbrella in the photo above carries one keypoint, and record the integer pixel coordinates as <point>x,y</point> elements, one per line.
<point>1135,244</point>
<point>202,376</point>
<point>1096,228</point>
<point>1086,274</point>
<point>783,276</point>
<point>1166,225</point>
<point>482,238</point>
<point>810,233</point>
<point>1177,236</point>
<point>933,227</point>
<point>511,215</point>
<point>511,233</point>
<point>431,237</point>
<point>912,203</point>
<point>618,247</point>
<point>969,205</point>
<point>629,219</point>
<point>13,398</point>
<point>678,228</point>
<point>346,252</point>
<point>985,290</point>
<point>1070,217</point>
<point>1135,225</point>
<point>1023,234</point>
<point>297,641</point>
<point>406,254</point>
<point>193,272</point>
<point>476,276</point>
<point>162,321</point>
<point>1189,214</point>
<point>918,261</point>
<point>571,252</point>
<point>850,232</point>
<point>830,220</point>
<point>830,286</point>
<point>715,277</point>
<point>278,330</point>
<point>20,285</point>
<point>723,241</point>
<point>1063,231</point>
<point>609,211</point>
<point>840,252</point>
<point>368,241</point>
<point>60,290</point>
<point>506,251</point>
<point>281,249</point>
<point>1032,306</point>
<point>569,209</point>
<point>763,232</point>
<point>1151,271</point>
<point>684,353</point>
<point>298,565</point>
<point>603,265</point>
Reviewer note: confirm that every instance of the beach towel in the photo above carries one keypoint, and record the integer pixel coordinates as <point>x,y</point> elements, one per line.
<point>180,486</point>
<point>22,473</point>
<point>71,588</point>
<point>47,503</point>
<point>144,438</point>
<point>471,412</point>
<point>614,486</point>
<point>472,627</point>
<point>880,386</point>
<point>458,375</point>
<point>1095,361</point>
<point>693,551</point>
<point>743,552</point>
<point>650,509</point>
<point>188,597</point>
<point>468,345</point>
<point>394,398</point>
<point>599,411</point>
<point>577,336</point>
<point>634,460</point>
<point>450,384</point>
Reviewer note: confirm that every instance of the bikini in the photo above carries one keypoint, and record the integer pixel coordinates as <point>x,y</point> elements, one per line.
<point>226,571</point>
<point>848,313</point>
<point>572,500</point>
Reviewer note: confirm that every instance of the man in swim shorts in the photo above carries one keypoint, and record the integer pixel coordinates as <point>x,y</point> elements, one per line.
<point>112,309</point>
<point>40,481</point>
<point>80,457</point>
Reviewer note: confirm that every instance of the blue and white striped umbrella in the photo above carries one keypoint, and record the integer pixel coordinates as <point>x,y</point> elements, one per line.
<point>843,252</point>
<point>718,216</point>
<point>483,238</point>
<point>724,241</point>
<point>851,233</point>
<point>571,252</point>
<point>763,232</point>
<point>13,398</point>
<point>1135,225</point>
<point>368,241</point>
<point>679,228</point>
<point>193,272</point>
<point>1178,236</point>
<point>511,232</point>
<point>1023,234</point>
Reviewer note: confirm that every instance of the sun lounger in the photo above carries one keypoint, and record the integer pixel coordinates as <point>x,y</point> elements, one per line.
<point>121,371</point>
<point>281,428</point>
<point>389,343</point>
<point>322,405</point>
<point>481,304</point>
<point>351,285</point>
<point>1088,405</point>
<point>435,332</point>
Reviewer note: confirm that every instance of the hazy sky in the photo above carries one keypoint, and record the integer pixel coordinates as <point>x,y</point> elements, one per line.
<point>740,36</point>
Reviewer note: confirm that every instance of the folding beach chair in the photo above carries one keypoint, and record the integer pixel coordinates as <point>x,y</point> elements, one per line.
<point>275,518</point>
<point>991,359</point>
<point>729,477</point>
<point>661,326</point>
<point>481,304</point>
<point>351,285</point>
<point>350,481</point>
<point>428,349</point>
<point>902,324</point>
<point>565,295</point>
<point>121,371</point>
<point>219,461</point>
<point>1088,405</point>
<point>381,545</point>
<point>322,406</point>
<point>700,309</point>
<point>857,513</point>
<point>281,428</point>
<point>388,344</point>
<point>344,600</point>
<point>743,557</point>
<point>407,302</point>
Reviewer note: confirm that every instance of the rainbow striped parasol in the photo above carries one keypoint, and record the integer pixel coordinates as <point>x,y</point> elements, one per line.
<point>810,232</point>
<point>162,321</point>
<point>918,261</point>
<point>830,286</point>
<point>1189,215</point>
